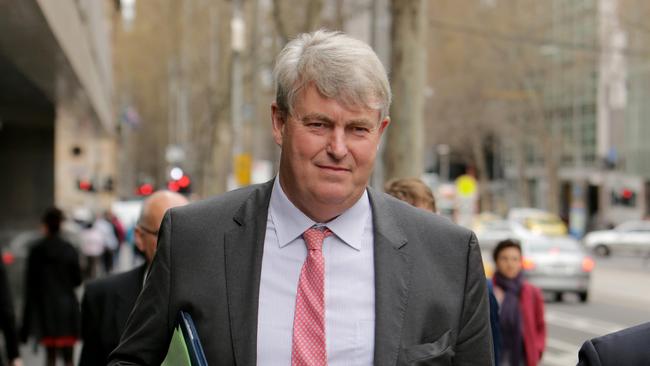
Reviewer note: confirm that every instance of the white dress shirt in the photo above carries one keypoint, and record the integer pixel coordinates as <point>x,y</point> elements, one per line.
<point>349,283</point>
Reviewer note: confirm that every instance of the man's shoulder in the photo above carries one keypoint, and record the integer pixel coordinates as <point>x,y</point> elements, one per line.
<point>408,216</point>
<point>629,336</point>
<point>625,347</point>
<point>114,284</point>
<point>227,203</point>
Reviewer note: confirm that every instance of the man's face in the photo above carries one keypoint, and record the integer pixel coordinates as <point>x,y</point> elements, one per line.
<point>146,239</point>
<point>146,232</point>
<point>328,152</point>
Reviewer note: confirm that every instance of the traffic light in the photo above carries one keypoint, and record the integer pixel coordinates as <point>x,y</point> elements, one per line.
<point>85,185</point>
<point>144,189</point>
<point>181,185</point>
<point>624,197</point>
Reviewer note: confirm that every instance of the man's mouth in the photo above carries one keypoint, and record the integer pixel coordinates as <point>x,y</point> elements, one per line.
<point>333,168</point>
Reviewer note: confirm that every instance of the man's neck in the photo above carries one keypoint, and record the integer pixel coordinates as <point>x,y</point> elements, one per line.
<point>317,211</point>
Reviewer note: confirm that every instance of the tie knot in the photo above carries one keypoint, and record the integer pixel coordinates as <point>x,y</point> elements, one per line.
<point>314,237</point>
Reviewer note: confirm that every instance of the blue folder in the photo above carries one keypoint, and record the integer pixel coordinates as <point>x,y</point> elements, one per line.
<point>185,347</point>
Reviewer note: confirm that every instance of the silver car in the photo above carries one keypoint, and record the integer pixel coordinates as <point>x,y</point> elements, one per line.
<point>631,237</point>
<point>557,265</point>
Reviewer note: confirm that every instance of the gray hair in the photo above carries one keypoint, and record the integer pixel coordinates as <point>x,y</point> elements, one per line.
<point>341,67</point>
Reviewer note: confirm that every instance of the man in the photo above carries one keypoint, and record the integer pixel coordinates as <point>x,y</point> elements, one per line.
<point>314,268</point>
<point>107,302</point>
<point>626,347</point>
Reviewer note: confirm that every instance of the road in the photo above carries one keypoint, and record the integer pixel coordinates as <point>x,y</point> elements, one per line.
<point>620,297</point>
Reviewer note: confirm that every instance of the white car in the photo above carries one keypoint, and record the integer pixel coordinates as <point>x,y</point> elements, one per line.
<point>631,237</point>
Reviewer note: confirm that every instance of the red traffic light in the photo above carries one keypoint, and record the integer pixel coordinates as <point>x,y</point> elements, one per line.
<point>85,185</point>
<point>173,186</point>
<point>184,182</point>
<point>627,194</point>
<point>181,185</point>
<point>144,189</point>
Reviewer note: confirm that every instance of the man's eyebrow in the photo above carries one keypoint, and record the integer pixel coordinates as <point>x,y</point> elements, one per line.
<point>324,118</point>
<point>316,116</point>
<point>361,122</point>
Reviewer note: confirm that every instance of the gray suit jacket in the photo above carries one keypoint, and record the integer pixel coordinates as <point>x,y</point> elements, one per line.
<point>430,293</point>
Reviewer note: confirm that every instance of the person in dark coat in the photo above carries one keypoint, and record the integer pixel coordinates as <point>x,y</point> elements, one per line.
<point>51,307</point>
<point>495,325</point>
<point>8,319</point>
<point>107,302</point>
<point>626,347</point>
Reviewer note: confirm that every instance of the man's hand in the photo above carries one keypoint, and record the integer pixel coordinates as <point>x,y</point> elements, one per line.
<point>16,362</point>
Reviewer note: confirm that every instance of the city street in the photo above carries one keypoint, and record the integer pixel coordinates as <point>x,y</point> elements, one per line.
<point>620,297</point>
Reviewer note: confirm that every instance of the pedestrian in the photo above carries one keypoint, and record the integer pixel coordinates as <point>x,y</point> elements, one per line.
<point>314,267</point>
<point>110,241</point>
<point>8,320</point>
<point>92,242</point>
<point>51,307</point>
<point>521,314</point>
<point>629,347</point>
<point>118,227</point>
<point>413,191</point>
<point>107,302</point>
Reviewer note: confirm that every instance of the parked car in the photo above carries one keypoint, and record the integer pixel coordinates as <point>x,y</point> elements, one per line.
<point>557,265</point>
<point>630,237</point>
<point>538,221</point>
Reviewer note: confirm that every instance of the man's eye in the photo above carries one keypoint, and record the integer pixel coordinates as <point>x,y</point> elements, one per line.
<point>360,130</point>
<point>316,124</point>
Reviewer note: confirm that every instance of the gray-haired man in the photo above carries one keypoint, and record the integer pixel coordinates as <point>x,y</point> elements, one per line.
<point>314,267</point>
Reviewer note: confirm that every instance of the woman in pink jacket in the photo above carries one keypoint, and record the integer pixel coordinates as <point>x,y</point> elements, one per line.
<point>521,309</point>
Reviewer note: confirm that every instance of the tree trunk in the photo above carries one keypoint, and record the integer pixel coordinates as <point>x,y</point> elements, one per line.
<point>481,172</point>
<point>218,164</point>
<point>403,154</point>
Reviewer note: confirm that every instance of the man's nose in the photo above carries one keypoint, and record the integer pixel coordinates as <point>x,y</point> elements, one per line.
<point>337,146</point>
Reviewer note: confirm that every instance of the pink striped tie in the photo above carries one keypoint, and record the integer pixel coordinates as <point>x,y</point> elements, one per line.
<point>308,346</point>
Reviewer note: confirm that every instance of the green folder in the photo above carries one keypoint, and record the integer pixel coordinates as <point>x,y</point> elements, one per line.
<point>177,354</point>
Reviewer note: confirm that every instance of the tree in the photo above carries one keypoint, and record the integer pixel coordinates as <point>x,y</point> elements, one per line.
<point>404,142</point>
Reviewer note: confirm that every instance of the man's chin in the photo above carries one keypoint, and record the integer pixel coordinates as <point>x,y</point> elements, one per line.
<point>334,196</point>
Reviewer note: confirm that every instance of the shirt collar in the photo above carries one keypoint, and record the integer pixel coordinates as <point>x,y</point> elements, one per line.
<point>290,222</point>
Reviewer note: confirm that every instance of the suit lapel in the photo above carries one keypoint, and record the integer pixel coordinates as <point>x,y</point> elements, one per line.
<point>392,278</point>
<point>244,246</point>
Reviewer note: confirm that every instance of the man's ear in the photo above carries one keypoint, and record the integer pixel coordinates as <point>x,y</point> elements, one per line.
<point>278,120</point>
<point>383,124</point>
<point>139,239</point>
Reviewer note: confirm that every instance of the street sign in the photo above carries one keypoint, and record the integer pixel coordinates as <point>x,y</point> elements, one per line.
<point>243,164</point>
<point>466,186</point>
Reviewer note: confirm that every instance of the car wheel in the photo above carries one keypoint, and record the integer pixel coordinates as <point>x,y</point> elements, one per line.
<point>602,250</point>
<point>584,296</point>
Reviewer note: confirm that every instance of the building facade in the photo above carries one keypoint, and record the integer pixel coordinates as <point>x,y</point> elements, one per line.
<point>56,114</point>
